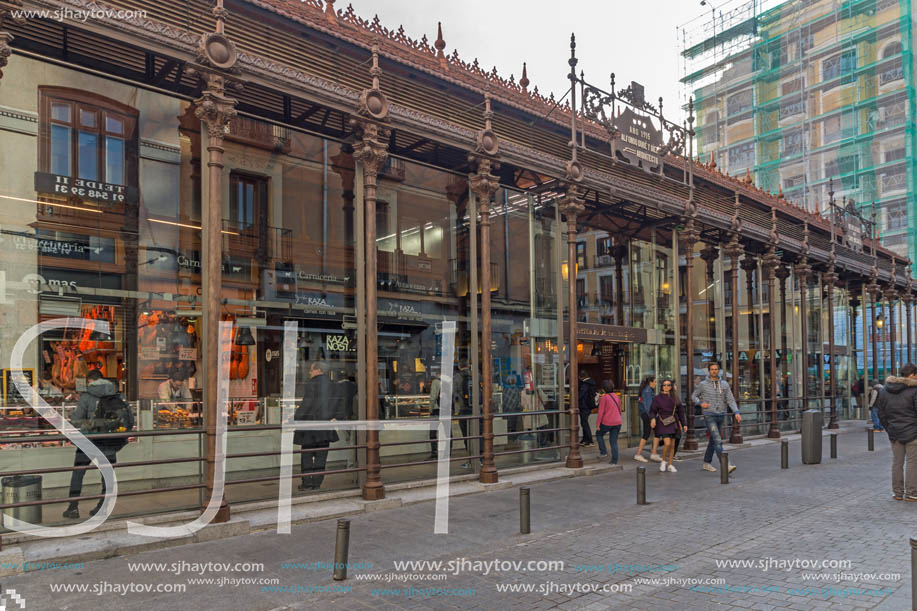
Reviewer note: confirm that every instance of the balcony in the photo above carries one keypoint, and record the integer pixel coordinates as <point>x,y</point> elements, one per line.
<point>262,243</point>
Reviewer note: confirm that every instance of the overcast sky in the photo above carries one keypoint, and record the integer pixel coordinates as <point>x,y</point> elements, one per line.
<point>635,39</point>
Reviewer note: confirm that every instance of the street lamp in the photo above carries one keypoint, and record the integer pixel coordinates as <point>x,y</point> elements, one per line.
<point>880,321</point>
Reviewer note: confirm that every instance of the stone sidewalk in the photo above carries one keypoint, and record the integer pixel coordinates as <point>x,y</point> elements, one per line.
<point>840,510</point>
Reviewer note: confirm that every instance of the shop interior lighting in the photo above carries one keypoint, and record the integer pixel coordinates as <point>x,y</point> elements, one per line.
<point>186,225</point>
<point>35,201</point>
<point>188,313</point>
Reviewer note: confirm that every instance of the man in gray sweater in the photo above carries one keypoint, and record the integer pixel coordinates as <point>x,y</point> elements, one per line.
<point>715,398</point>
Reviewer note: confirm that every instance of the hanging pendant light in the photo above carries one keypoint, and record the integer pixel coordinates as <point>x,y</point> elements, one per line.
<point>245,337</point>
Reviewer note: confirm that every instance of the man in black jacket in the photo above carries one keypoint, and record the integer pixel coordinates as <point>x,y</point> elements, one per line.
<point>321,401</point>
<point>586,405</point>
<point>897,407</point>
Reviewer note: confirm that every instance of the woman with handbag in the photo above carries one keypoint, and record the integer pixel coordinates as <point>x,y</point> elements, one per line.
<point>667,416</point>
<point>609,421</point>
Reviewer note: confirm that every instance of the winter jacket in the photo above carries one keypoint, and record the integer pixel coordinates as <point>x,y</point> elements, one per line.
<point>646,400</point>
<point>321,401</point>
<point>609,410</point>
<point>897,405</point>
<point>86,409</point>
<point>663,406</point>
<point>586,395</point>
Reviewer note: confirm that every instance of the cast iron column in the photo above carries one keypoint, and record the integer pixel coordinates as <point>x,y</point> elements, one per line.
<point>484,185</point>
<point>689,237</point>
<point>908,302</point>
<point>802,272</point>
<point>371,150</point>
<point>782,273</point>
<point>620,252</point>
<point>571,206</point>
<point>830,278</point>
<point>734,250</point>
<point>749,265</point>
<point>215,66</point>
<point>771,262</point>
<point>891,295</point>
<point>873,289</point>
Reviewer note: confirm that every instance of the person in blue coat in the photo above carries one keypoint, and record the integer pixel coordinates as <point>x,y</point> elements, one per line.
<point>645,396</point>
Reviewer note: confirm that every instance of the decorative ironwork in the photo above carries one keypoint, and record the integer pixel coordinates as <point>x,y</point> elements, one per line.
<point>638,131</point>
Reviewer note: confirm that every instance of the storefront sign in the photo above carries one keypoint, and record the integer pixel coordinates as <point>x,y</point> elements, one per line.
<point>339,343</point>
<point>233,267</point>
<point>402,310</point>
<point>92,190</point>
<point>611,333</point>
<point>10,392</point>
<point>82,247</point>
<point>640,141</point>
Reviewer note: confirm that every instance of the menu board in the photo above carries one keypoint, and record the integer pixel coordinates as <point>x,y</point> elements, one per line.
<point>10,392</point>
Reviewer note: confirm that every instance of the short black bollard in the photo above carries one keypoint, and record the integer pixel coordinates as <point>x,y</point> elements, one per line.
<point>833,445</point>
<point>913,574</point>
<point>525,511</point>
<point>641,485</point>
<point>341,546</point>
<point>724,468</point>
<point>784,453</point>
<point>870,440</point>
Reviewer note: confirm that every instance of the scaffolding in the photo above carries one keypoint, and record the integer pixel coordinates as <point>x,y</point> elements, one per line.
<point>801,93</point>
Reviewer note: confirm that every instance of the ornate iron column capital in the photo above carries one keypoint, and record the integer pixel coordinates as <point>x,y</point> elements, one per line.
<point>6,15</point>
<point>572,204</point>
<point>371,148</point>
<point>214,108</point>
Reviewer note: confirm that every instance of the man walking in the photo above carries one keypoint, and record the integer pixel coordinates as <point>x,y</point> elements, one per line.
<point>715,398</point>
<point>320,402</point>
<point>586,405</point>
<point>100,409</point>
<point>897,408</point>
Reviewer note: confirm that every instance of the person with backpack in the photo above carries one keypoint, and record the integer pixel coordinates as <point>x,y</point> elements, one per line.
<point>100,409</point>
<point>609,421</point>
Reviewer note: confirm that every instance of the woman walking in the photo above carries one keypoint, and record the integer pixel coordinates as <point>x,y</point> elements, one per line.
<point>645,396</point>
<point>667,416</point>
<point>609,421</point>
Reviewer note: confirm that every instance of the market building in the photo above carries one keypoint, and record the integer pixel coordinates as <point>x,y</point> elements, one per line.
<point>268,162</point>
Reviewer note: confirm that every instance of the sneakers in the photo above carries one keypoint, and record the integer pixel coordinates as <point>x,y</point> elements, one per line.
<point>677,459</point>
<point>897,497</point>
<point>732,468</point>
<point>709,467</point>
<point>655,458</point>
<point>72,512</point>
<point>95,509</point>
<point>912,499</point>
<point>603,454</point>
<point>662,467</point>
<point>672,469</point>
<point>640,458</point>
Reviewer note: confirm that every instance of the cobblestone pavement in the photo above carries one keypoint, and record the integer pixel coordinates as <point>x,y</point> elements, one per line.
<point>839,512</point>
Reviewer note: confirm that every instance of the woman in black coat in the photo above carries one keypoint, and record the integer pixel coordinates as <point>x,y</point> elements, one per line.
<point>321,401</point>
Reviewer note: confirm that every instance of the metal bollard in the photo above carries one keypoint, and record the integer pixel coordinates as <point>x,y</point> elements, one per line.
<point>724,468</point>
<point>641,485</point>
<point>913,574</point>
<point>525,511</point>
<point>870,440</point>
<point>833,445</point>
<point>784,453</point>
<point>341,546</point>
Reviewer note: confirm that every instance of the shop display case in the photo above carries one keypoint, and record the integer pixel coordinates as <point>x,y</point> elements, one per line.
<point>407,406</point>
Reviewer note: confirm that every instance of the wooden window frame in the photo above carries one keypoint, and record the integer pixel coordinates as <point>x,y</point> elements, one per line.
<point>78,101</point>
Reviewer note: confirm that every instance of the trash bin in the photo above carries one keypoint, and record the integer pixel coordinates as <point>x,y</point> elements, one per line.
<point>20,489</point>
<point>811,436</point>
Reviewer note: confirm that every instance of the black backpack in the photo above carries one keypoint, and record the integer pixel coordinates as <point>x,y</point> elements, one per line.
<point>112,414</point>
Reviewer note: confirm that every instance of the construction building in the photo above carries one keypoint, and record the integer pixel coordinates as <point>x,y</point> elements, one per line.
<point>806,95</point>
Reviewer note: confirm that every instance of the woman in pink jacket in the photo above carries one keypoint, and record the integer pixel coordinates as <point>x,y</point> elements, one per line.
<point>609,421</point>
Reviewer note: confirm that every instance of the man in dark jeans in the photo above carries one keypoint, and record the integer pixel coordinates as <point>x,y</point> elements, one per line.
<point>321,401</point>
<point>586,405</point>
<point>97,387</point>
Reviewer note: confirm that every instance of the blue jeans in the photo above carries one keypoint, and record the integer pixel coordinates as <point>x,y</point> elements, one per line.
<point>874,412</point>
<point>714,424</point>
<point>612,439</point>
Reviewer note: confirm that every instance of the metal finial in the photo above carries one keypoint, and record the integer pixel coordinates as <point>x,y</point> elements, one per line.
<point>375,71</point>
<point>524,81</point>
<point>440,44</point>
